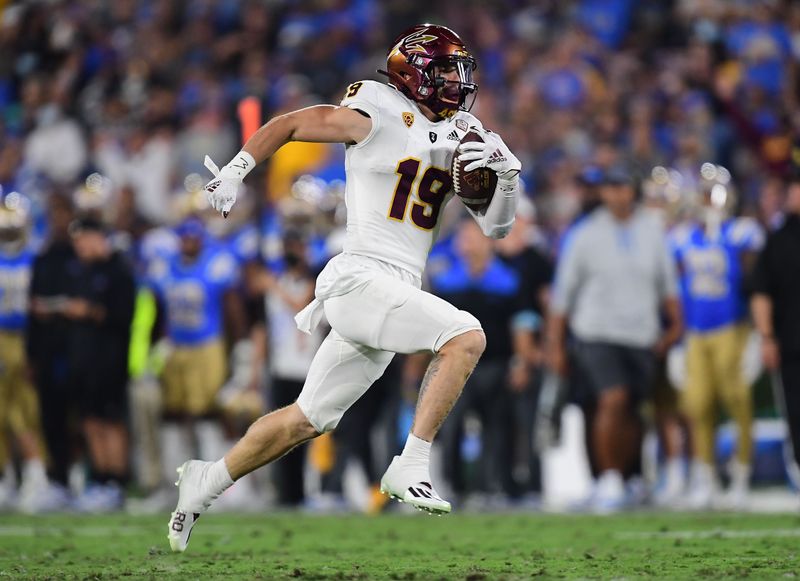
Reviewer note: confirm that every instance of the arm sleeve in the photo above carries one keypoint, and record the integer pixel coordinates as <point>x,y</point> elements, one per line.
<point>498,218</point>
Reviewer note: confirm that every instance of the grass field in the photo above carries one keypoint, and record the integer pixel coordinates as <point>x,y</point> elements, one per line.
<point>469,547</point>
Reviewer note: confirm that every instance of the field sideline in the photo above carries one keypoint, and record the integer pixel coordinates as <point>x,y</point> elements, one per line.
<point>469,547</point>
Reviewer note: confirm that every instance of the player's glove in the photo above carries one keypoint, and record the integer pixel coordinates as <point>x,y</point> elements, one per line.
<point>221,191</point>
<point>492,153</point>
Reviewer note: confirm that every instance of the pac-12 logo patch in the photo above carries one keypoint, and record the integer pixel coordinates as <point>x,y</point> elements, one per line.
<point>433,136</point>
<point>461,124</point>
<point>408,118</point>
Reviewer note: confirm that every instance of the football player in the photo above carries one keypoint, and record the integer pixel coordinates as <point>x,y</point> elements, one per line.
<point>19,402</point>
<point>197,289</point>
<point>714,255</point>
<point>400,140</point>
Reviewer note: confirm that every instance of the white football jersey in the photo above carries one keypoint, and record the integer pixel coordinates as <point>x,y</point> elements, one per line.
<point>398,177</point>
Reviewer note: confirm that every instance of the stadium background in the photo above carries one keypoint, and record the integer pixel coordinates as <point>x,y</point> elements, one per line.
<point>113,106</point>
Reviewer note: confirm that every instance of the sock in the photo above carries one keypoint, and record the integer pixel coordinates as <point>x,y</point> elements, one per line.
<point>33,470</point>
<point>417,450</point>
<point>210,438</point>
<point>218,477</point>
<point>175,449</point>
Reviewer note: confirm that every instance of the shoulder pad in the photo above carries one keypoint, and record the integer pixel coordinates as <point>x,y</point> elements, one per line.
<point>246,244</point>
<point>221,267</point>
<point>680,235</point>
<point>746,233</point>
<point>365,96</point>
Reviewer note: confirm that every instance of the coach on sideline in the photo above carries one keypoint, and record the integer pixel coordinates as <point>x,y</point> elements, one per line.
<point>614,280</point>
<point>776,311</point>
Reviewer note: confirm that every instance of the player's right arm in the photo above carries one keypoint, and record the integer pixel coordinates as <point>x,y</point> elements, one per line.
<point>320,123</point>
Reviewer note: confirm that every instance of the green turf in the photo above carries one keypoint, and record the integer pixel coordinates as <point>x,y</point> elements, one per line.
<point>470,547</point>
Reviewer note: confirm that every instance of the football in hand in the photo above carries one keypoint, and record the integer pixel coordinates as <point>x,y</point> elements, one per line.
<point>476,187</point>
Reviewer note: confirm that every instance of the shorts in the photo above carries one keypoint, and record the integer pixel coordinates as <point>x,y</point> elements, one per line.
<point>609,365</point>
<point>375,310</point>
<point>192,377</point>
<point>19,402</point>
<point>381,306</point>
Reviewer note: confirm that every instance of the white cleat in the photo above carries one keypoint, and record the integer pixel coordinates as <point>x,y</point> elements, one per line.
<point>192,502</point>
<point>413,487</point>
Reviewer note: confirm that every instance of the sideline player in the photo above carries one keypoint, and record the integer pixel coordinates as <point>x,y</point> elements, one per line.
<point>400,139</point>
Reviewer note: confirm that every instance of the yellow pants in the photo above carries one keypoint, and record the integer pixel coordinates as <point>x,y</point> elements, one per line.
<point>19,402</point>
<point>714,375</point>
<point>192,377</point>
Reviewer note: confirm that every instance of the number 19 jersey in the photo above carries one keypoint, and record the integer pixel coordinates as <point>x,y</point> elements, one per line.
<point>398,177</point>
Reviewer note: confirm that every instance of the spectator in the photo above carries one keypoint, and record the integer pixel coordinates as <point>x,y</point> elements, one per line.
<point>478,282</point>
<point>197,290</point>
<point>535,273</point>
<point>612,283</point>
<point>776,313</point>
<point>99,306</point>
<point>48,340</point>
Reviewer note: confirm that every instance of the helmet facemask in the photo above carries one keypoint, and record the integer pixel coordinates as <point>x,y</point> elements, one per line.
<point>449,96</point>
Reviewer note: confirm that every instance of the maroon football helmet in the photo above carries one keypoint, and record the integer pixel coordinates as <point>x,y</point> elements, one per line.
<point>412,65</point>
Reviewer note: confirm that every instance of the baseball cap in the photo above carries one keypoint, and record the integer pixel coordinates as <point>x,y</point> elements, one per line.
<point>617,175</point>
<point>87,224</point>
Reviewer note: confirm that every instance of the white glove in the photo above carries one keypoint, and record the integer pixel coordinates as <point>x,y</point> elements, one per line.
<point>491,153</point>
<point>221,191</point>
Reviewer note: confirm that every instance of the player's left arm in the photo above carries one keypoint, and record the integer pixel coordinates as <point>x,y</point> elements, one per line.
<point>498,218</point>
<point>320,123</point>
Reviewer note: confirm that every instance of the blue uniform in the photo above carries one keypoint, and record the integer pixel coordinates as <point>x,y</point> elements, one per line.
<point>243,244</point>
<point>192,294</point>
<point>711,271</point>
<point>15,276</point>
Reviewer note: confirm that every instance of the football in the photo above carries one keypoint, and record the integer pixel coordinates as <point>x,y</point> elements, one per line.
<point>476,187</point>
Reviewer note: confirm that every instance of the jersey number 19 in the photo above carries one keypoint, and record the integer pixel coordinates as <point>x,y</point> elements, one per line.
<point>431,191</point>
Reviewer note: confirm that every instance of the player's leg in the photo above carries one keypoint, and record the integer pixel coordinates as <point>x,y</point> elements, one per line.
<point>23,409</point>
<point>408,476</point>
<point>391,315</point>
<point>737,398</point>
<point>339,374</point>
<point>699,403</point>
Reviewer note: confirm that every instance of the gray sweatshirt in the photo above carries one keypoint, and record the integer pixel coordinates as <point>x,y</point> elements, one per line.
<point>613,277</point>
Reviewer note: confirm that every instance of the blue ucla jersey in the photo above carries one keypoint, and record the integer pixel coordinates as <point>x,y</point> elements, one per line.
<point>243,244</point>
<point>711,271</point>
<point>15,278</point>
<point>192,293</point>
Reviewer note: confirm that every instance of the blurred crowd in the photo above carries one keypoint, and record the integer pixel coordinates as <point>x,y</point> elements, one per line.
<point>138,328</point>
